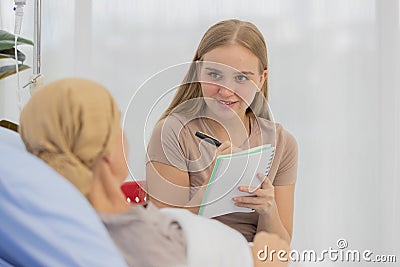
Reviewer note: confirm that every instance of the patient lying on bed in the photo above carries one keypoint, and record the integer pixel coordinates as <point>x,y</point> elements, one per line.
<point>74,126</point>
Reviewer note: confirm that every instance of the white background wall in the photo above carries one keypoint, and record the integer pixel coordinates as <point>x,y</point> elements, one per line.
<point>334,68</point>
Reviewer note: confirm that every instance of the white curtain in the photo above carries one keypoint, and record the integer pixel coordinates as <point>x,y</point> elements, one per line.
<point>334,84</point>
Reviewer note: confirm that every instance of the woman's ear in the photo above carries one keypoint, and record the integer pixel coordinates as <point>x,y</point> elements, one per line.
<point>101,161</point>
<point>107,158</point>
<point>263,77</point>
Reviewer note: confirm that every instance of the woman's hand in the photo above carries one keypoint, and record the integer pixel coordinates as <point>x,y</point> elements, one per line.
<point>226,148</point>
<point>262,199</point>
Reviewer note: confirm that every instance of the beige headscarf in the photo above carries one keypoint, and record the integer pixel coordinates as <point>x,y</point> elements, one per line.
<point>69,124</point>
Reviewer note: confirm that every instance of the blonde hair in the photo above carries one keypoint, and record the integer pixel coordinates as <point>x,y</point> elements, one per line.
<point>225,32</point>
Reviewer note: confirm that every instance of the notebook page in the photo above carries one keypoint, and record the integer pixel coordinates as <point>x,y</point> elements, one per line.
<point>229,172</point>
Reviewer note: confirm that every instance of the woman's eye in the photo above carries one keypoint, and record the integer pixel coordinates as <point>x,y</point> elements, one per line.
<point>241,78</point>
<point>214,75</point>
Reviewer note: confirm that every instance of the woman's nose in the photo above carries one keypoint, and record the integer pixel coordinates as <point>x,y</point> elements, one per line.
<point>223,91</point>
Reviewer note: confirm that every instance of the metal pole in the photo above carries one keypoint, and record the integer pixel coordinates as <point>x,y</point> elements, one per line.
<point>37,37</point>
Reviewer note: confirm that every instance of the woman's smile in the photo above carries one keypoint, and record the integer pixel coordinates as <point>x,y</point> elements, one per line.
<point>226,103</point>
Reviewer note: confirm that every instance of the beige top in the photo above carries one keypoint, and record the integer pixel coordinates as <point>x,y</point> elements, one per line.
<point>173,142</point>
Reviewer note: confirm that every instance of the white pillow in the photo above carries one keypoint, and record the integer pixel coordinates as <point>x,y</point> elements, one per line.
<point>45,220</point>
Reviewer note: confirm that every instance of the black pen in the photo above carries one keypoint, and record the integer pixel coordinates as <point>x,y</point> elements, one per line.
<point>208,138</point>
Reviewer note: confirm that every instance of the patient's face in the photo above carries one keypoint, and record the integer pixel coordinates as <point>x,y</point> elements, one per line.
<point>117,158</point>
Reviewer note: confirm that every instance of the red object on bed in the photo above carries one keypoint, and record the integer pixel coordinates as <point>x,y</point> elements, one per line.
<point>135,191</point>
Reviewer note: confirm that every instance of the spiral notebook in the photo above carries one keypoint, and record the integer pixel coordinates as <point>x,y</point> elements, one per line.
<point>229,172</point>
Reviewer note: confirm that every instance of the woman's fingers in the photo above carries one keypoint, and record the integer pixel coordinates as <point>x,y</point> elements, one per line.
<point>227,148</point>
<point>225,145</point>
<point>266,182</point>
<point>260,198</point>
<point>224,148</point>
<point>265,188</point>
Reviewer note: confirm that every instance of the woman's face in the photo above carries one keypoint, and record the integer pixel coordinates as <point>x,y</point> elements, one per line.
<point>230,77</point>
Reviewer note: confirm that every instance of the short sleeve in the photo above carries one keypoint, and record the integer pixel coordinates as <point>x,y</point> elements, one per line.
<point>165,146</point>
<point>287,170</point>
